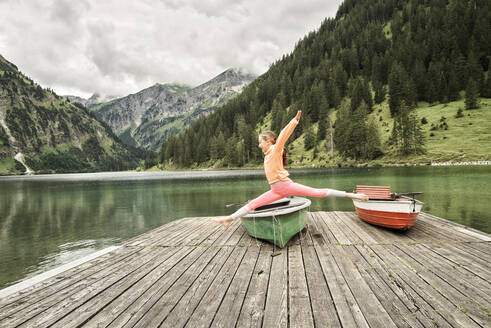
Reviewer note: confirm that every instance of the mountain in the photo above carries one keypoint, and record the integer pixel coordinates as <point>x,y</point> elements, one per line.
<point>94,100</point>
<point>374,57</point>
<point>147,118</point>
<point>42,132</point>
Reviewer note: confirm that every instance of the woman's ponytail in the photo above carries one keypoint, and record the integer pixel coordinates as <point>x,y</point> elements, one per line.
<point>285,157</point>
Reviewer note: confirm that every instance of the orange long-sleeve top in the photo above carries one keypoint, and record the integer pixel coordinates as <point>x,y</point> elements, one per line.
<point>273,159</point>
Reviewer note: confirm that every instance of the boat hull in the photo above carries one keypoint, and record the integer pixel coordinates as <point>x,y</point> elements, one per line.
<point>390,214</point>
<point>278,225</point>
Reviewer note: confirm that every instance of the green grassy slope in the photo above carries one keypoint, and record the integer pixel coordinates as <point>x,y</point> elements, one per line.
<point>467,138</point>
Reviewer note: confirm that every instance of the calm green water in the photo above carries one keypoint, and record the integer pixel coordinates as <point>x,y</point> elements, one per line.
<point>47,221</point>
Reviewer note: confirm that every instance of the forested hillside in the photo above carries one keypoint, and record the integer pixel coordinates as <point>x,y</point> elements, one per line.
<point>374,53</point>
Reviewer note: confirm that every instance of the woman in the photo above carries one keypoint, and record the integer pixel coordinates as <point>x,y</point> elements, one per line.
<point>277,176</point>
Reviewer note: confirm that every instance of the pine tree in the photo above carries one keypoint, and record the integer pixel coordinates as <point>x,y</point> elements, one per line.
<point>487,86</point>
<point>333,95</point>
<point>407,134</point>
<point>453,86</point>
<point>214,149</point>
<point>367,94</point>
<point>373,142</point>
<point>151,160</point>
<point>475,69</point>
<point>323,119</point>
<point>231,154</point>
<point>276,116</point>
<point>340,78</point>
<point>471,95</point>
<point>379,92</point>
<point>356,94</point>
<point>309,138</point>
<point>420,80</point>
<point>396,86</point>
<point>353,137</point>
<point>377,69</point>
<point>432,92</point>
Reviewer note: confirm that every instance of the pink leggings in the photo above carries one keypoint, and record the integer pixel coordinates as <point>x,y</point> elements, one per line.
<point>283,189</point>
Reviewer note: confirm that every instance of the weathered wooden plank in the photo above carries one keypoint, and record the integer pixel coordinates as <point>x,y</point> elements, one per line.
<point>65,278</point>
<point>323,309</point>
<point>229,310</point>
<point>180,313</point>
<point>178,238</point>
<point>454,274</point>
<point>151,271</point>
<point>338,219</point>
<point>349,312</point>
<point>373,311</point>
<point>208,229</point>
<point>443,234</point>
<point>422,308</point>
<point>54,307</point>
<point>362,235</point>
<point>318,235</point>
<point>419,234</point>
<point>130,305</point>
<point>276,311</point>
<point>479,235</point>
<point>169,229</point>
<point>455,230</point>
<point>448,291</point>
<point>407,306</point>
<point>395,308</point>
<point>320,225</point>
<point>25,309</point>
<point>56,311</point>
<point>231,235</point>
<point>300,314</point>
<point>341,237</point>
<point>465,261</point>
<point>398,311</point>
<point>153,285</point>
<point>477,250</point>
<point>379,234</point>
<point>448,311</point>
<point>206,309</point>
<point>251,314</point>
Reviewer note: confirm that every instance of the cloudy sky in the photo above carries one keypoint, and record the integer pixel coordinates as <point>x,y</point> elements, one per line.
<point>118,47</point>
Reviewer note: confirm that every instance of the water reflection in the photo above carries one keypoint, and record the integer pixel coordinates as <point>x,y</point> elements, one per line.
<point>47,221</point>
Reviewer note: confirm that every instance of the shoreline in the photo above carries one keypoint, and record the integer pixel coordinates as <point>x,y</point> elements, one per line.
<point>260,167</point>
<point>461,163</point>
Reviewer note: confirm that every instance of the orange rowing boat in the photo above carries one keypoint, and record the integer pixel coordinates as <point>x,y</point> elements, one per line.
<point>396,211</point>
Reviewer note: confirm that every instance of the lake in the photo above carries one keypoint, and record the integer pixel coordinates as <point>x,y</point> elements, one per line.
<point>50,220</point>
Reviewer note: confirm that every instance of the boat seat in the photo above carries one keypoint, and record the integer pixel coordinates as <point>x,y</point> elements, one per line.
<point>375,192</point>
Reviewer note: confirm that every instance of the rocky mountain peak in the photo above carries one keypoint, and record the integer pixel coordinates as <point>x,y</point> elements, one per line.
<point>148,117</point>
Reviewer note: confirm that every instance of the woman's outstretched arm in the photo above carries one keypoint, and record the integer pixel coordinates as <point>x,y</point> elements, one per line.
<point>286,132</point>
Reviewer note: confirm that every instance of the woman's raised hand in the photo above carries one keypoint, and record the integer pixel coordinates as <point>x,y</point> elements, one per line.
<point>299,113</point>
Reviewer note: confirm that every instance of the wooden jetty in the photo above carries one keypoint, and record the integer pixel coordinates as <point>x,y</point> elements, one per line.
<point>339,272</point>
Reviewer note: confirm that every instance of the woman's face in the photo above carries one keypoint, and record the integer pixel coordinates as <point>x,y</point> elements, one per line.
<point>264,145</point>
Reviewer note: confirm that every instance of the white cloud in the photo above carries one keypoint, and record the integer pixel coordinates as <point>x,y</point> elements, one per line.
<point>117,47</point>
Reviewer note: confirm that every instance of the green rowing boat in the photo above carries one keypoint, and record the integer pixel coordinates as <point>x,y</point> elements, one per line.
<point>279,221</point>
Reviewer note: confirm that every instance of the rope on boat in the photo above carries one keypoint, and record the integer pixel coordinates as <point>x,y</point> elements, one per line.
<point>277,222</point>
<point>255,233</point>
<point>302,235</point>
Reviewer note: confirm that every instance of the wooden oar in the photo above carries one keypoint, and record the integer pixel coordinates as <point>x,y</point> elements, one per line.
<point>405,194</point>
<point>237,204</point>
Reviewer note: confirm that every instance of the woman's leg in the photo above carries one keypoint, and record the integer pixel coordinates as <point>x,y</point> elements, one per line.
<point>290,188</point>
<point>267,198</point>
